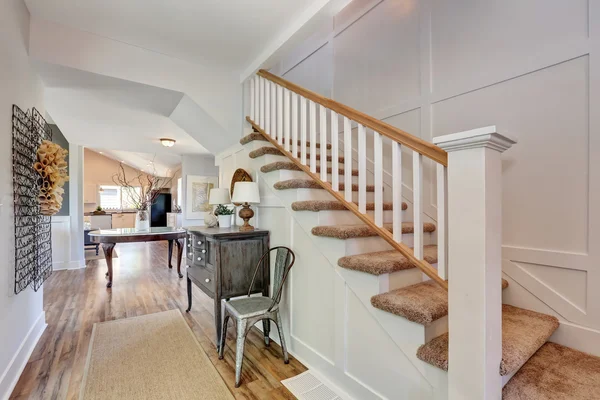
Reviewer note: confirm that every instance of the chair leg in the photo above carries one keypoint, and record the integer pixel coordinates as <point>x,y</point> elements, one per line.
<point>223,337</point>
<point>282,339</point>
<point>239,351</point>
<point>266,331</point>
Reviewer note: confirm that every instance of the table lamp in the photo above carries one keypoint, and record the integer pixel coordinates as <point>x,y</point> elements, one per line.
<point>246,193</point>
<point>220,196</point>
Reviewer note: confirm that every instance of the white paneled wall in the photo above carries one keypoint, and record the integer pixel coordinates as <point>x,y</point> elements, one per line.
<point>435,67</point>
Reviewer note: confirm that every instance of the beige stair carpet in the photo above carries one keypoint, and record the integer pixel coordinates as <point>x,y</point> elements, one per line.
<point>423,303</point>
<point>556,372</point>
<point>150,357</point>
<point>290,166</point>
<point>523,333</point>
<point>311,184</point>
<point>257,136</point>
<point>358,231</point>
<point>385,262</point>
<point>273,151</point>
<point>334,205</point>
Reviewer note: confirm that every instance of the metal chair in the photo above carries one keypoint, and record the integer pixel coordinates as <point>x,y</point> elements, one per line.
<point>248,311</point>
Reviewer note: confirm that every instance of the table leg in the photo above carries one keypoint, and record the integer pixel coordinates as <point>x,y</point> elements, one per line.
<point>108,253</point>
<point>170,254</point>
<point>179,244</point>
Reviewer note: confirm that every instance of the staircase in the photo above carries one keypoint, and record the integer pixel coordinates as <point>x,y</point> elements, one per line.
<point>394,254</point>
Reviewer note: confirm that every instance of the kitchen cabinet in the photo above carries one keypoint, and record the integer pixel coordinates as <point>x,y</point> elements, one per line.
<point>123,220</point>
<point>90,193</point>
<point>100,222</point>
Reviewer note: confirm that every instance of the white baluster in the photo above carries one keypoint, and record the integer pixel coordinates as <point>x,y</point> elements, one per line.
<point>378,164</point>
<point>256,99</point>
<point>312,107</point>
<point>295,125</point>
<point>286,119</point>
<point>267,126</point>
<point>279,135</point>
<point>418,203</point>
<point>302,131</point>
<point>362,169</point>
<point>442,222</point>
<point>347,160</point>
<point>252,101</point>
<point>323,140</point>
<point>273,132</point>
<point>335,166</point>
<point>397,190</point>
<point>262,103</point>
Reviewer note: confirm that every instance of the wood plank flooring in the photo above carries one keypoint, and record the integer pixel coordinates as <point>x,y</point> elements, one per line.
<point>75,300</point>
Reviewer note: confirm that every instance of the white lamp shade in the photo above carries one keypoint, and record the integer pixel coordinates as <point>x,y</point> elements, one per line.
<point>219,196</point>
<point>245,192</point>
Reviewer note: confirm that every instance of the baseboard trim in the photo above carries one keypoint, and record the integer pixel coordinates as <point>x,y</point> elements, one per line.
<point>68,265</point>
<point>17,364</point>
<point>577,337</point>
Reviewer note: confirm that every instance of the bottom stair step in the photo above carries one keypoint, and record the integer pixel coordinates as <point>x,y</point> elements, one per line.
<point>556,372</point>
<point>523,333</point>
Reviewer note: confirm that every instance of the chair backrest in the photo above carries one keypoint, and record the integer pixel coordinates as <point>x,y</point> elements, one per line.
<point>284,260</point>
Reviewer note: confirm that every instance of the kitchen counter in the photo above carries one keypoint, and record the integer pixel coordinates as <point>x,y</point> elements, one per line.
<point>88,214</point>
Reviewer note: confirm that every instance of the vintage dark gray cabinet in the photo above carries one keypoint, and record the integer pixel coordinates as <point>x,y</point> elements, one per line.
<point>221,262</point>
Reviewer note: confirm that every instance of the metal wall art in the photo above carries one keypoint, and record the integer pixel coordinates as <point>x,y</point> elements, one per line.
<point>33,249</point>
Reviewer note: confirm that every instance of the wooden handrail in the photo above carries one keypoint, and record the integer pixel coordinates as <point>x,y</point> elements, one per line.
<point>421,146</point>
<point>384,233</point>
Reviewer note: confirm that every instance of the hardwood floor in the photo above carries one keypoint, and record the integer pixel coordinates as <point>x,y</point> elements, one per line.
<point>75,300</point>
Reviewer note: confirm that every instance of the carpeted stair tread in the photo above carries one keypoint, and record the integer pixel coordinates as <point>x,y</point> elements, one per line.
<point>257,136</point>
<point>309,183</point>
<point>266,150</point>
<point>556,372</point>
<point>333,205</point>
<point>358,231</point>
<point>423,302</point>
<point>523,333</point>
<point>385,262</point>
<point>290,166</point>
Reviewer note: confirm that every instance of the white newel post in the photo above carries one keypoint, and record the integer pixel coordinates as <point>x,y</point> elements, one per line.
<point>474,256</point>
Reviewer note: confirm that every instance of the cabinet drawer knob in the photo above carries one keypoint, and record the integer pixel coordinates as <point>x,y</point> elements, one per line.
<point>207,280</point>
<point>199,258</point>
<point>200,242</point>
<point>189,245</point>
<point>203,251</point>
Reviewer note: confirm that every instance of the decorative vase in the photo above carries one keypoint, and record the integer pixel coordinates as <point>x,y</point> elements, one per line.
<point>142,220</point>
<point>225,221</point>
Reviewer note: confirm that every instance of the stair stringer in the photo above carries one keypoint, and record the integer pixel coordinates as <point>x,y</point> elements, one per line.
<point>403,333</point>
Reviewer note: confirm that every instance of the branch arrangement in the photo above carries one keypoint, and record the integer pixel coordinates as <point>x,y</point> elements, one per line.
<point>52,168</point>
<point>150,187</point>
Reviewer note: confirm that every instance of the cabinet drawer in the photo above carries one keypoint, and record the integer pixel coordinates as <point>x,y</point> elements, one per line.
<point>198,242</point>
<point>199,258</point>
<point>204,277</point>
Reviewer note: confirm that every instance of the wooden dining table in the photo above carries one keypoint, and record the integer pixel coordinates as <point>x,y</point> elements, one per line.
<point>109,238</point>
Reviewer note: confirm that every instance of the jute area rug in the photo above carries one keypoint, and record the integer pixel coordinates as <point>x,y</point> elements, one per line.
<point>153,356</point>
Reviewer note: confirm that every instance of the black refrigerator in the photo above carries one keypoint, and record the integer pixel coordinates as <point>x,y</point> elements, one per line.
<point>159,210</point>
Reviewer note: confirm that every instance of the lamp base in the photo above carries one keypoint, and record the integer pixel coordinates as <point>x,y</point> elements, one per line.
<point>246,213</point>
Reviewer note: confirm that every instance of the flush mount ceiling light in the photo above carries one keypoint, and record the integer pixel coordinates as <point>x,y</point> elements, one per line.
<point>167,142</point>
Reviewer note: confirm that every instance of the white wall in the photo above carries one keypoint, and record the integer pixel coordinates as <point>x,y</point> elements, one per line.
<point>433,67</point>
<point>195,165</point>
<point>21,316</point>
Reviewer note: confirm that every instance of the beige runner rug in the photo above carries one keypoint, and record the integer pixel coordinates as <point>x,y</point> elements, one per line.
<point>153,356</point>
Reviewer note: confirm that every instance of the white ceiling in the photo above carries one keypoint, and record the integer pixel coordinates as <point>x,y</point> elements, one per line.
<point>123,119</point>
<point>209,32</point>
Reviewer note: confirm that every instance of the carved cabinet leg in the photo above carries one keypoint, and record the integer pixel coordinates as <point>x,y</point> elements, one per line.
<point>189,293</point>
<point>108,254</point>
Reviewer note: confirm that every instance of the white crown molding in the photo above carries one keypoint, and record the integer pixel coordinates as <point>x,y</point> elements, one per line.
<point>475,138</point>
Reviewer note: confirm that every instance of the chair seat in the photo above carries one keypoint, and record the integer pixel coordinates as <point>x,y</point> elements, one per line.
<point>249,307</point>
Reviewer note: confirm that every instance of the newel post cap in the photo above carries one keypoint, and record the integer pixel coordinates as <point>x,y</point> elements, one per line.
<point>475,138</point>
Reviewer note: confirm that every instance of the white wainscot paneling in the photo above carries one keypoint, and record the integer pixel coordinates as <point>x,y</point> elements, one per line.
<point>545,176</point>
<point>313,308</point>
<point>376,59</point>
<point>374,360</point>
<point>315,72</point>
<point>61,242</point>
<point>479,42</point>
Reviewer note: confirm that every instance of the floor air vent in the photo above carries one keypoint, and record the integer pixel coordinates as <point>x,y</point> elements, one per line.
<point>306,386</point>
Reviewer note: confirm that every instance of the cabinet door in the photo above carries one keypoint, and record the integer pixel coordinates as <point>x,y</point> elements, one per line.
<point>129,220</point>
<point>90,193</point>
<point>118,221</point>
